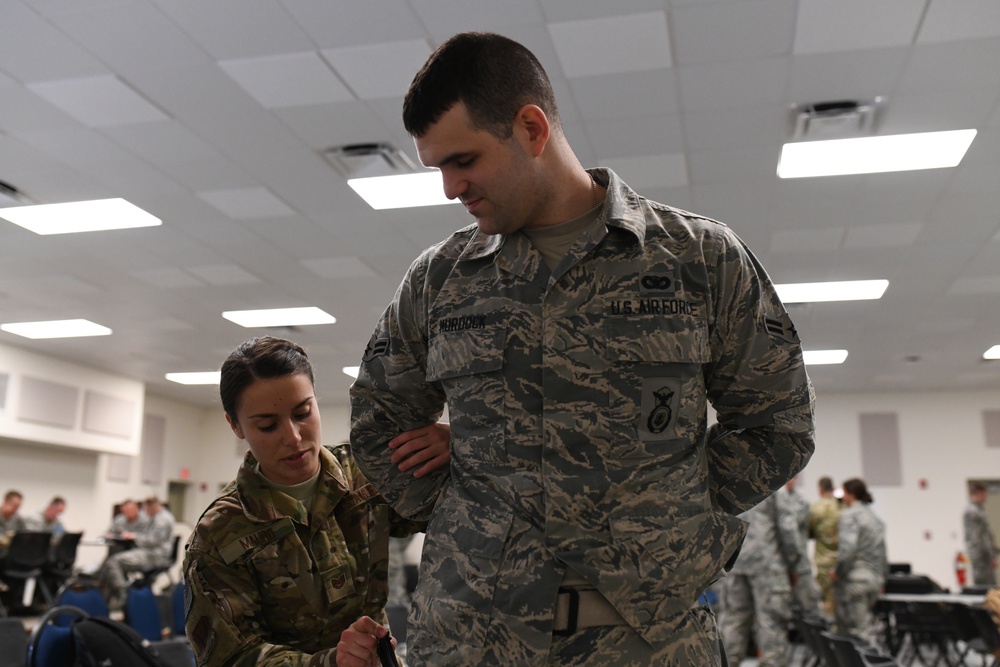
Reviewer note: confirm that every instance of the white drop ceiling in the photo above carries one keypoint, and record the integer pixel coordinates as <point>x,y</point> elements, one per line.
<point>213,116</point>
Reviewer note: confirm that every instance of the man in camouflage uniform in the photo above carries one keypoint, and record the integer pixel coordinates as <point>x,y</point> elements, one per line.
<point>759,587</point>
<point>588,504</point>
<point>153,538</point>
<point>979,542</point>
<point>824,515</point>
<point>805,592</point>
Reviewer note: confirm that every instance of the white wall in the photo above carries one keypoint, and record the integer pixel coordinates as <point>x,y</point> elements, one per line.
<point>942,442</point>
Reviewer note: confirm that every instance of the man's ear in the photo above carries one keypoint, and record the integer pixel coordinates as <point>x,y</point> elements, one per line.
<point>532,125</point>
<point>235,426</point>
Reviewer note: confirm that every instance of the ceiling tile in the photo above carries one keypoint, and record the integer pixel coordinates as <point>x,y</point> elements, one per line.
<point>99,101</point>
<point>223,274</point>
<point>378,70</point>
<point>847,25</point>
<point>32,50</point>
<point>846,75</point>
<point>568,10</point>
<point>168,142</point>
<point>289,80</point>
<point>808,240</point>
<point>337,23</point>
<point>733,85</point>
<point>167,278</point>
<point>262,28</point>
<point>888,235</point>
<point>646,93</point>
<point>339,268</point>
<point>247,203</point>
<point>639,41</point>
<point>651,171</point>
<point>739,31</point>
<point>736,128</point>
<point>443,21</point>
<point>652,135</point>
<point>952,66</point>
<point>949,20</point>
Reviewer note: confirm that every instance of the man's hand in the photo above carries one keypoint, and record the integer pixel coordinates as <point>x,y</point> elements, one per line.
<point>426,447</point>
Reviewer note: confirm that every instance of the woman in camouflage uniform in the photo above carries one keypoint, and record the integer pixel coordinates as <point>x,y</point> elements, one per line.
<point>288,566</point>
<point>862,563</point>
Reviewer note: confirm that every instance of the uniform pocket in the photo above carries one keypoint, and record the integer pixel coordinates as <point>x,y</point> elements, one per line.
<point>657,402</point>
<point>459,569</point>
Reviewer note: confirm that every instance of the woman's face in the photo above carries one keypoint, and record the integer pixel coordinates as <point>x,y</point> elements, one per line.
<point>279,419</point>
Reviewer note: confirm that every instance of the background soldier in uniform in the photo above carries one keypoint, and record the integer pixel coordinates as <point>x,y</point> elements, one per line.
<point>152,534</point>
<point>862,563</point>
<point>757,594</point>
<point>980,544</point>
<point>805,592</point>
<point>577,333</point>
<point>824,516</point>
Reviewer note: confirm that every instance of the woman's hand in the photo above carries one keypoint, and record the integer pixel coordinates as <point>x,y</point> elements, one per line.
<point>426,447</point>
<point>357,645</point>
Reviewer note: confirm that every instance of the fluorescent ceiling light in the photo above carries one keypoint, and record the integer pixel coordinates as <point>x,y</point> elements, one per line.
<point>821,357</point>
<point>423,188</point>
<point>352,371</point>
<point>279,317</point>
<point>848,290</point>
<point>207,377</point>
<point>870,155</point>
<point>79,216</point>
<point>56,329</point>
<point>992,353</point>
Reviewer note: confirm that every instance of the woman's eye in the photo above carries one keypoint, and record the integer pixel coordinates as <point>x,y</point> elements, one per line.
<point>267,428</point>
<point>302,416</point>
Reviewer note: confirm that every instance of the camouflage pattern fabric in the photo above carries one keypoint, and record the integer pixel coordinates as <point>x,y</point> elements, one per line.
<point>758,587</point>
<point>979,545</point>
<point>824,517</point>
<point>578,400</point>
<point>862,565</point>
<point>153,541</point>
<point>270,584</point>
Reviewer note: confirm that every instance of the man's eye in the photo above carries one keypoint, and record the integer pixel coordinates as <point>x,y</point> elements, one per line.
<point>467,162</point>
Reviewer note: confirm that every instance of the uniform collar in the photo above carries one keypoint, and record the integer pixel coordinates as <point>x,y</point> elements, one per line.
<point>622,209</point>
<point>256,497</point>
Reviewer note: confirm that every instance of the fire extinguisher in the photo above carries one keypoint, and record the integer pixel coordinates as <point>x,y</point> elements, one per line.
<point>961,568</point>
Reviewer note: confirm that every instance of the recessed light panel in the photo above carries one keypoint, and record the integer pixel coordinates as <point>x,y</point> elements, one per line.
<point>423,188</point>
<point>849,290</point>
<point>80,216</point>
<point>992,353</point>
<point>207,377</point>
<point>822,357</point>
<point>871,155</point>
<point>279,317</point>
<point>56,329</point>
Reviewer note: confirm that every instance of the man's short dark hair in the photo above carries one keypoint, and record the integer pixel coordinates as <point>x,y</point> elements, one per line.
<point>826,485</point>
<point>977,487</point>
<point>494,77</point>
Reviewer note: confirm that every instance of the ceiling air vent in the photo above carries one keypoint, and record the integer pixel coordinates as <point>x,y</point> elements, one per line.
<point>372,159</point>
<point>836,120</point>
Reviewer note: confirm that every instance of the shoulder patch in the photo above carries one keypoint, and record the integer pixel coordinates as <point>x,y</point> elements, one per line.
<point>781,328</point>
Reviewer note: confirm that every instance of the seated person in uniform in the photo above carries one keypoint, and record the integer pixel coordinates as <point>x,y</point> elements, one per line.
<point>288,566</point>
<point>153,538</point>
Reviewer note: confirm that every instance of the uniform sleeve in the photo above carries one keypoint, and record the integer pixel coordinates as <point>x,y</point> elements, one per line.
<point>222,619</point>
<point>157,534</point>
<point>847,552</point>
<point>392,394</point>
<point>756,382</point>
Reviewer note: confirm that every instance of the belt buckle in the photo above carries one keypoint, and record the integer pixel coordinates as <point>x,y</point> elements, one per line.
<point>572,612</point>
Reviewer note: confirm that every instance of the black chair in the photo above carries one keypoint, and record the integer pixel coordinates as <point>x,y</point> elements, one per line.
<point>846,650</point>
<point>969,633</point>
<point>13,642</point>
<point>26,557</point>
<point>987,628</point>
<point>177,610</point>
<point>814,657</point>
<point>815,625</point>
<point>59,567</point>
<point>872,657</point>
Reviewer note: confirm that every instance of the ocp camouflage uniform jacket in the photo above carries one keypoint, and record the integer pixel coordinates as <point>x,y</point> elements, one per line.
<point>253,546</point>
<point>577,402</point>
<point>824,516</point>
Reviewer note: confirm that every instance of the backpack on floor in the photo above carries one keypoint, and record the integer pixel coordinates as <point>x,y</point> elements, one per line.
<point>67,636</point>
<point>102,642</point>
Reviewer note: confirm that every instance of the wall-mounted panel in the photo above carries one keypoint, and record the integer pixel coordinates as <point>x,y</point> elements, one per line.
<point>4,383</point>
<point>991,426</point>
<point>109,415</point>
<point>154,437</point>
<point>881,462</point>
<point>49,403</point>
